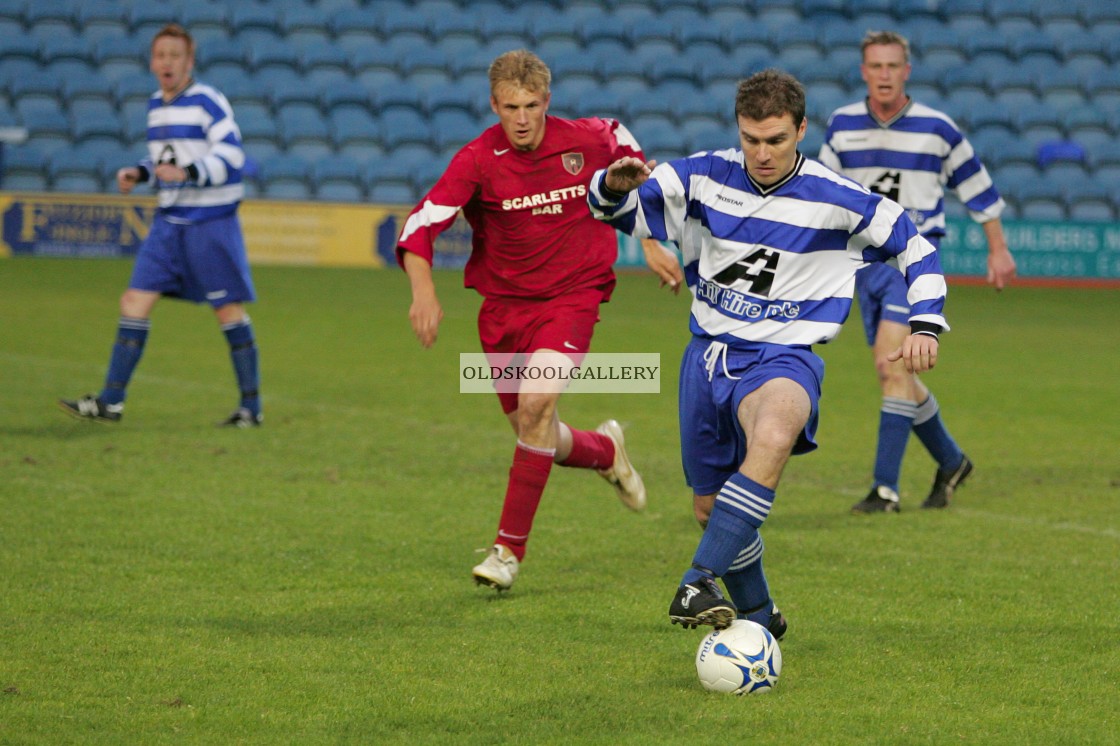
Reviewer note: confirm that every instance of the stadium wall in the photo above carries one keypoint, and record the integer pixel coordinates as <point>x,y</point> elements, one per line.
<point>344,234</point>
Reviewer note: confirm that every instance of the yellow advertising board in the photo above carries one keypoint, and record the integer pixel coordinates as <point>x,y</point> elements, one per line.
<point>276,232</point>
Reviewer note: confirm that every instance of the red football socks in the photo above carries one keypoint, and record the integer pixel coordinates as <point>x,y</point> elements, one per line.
<point>590,450</point>
<point>527,478</point>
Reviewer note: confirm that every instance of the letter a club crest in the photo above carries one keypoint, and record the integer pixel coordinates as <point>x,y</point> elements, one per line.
<point>573,162</point>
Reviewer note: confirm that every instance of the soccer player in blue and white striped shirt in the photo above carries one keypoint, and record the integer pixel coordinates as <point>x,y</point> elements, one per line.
<point>771,243</point>
<point>901,149</point>
<point>194,250</point>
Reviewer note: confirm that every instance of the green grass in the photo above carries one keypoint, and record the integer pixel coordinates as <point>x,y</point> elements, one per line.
<point>164,581</point>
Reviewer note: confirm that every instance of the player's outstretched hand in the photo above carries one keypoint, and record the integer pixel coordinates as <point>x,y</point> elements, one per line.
<point>628,173</point>
<point>664,264</point>
<point>918,352</point>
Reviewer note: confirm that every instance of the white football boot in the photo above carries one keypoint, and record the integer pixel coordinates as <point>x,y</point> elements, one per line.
<point>498,570</point>
<point>622,474</point>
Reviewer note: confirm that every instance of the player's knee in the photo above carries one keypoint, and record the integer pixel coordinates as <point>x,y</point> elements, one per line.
<point>533,409</point>
<point>774,438</point>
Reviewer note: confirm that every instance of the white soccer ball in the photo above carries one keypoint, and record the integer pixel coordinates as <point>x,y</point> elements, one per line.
<point>742,659</point>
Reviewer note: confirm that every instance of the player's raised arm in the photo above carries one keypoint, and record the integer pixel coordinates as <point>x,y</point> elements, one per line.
<point>627,174</point>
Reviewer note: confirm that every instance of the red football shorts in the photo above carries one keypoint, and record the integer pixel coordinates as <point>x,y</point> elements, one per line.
<point>564,324</point>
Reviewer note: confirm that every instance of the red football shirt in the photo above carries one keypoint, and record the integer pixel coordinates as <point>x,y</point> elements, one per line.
<point>533,234</point>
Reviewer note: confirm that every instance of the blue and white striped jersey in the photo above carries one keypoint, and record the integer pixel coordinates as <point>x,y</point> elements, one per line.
<point>773,264</point>
<point>911,158</point>
<point>196,128</point>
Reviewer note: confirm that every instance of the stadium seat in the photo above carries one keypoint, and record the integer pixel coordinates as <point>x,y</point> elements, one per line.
<point>49,18</point>
<point>374,65</point>
<point>281,85</point>
<point>392,193</point>
<point>1088,199</point>
<point>1061,88</point>
<point>353,129</point>
<point>1081,44</point>
<point>1105,157</point>
<point>38,84</point>
<point>1039,200</point>
<point>11,26</point>
<point>304,24</point>
<point>1038,123</point>
<point>797,46</point>
<point>1004,152</point>
<point>1015,86</point>
<point>824,12</point>
<point>453,128</point>
<point>98,19</point>
<point>454,95</point>
<point>207,22</point>
<point>145,19</point>
<point>64,47</point>
<point>25,168</point>
<point>1008,176</point>
<point>119,56</point>
<point>1051,152</point>
<point>263,56</point>
<point>398,94</point>
<point>323,64</point>
<point>94,118</point>
<point>246,88</point>
<point>20,47</point>
<point>689,36</point>
<point>220,56</point>
<point>401,126</point>
<point>338,178</point>
<point>1100,15</point>
<point>409,25</point>
<point>257,126</point>
<point>78,168</point>
<point>659,138</point>
<point>88,85</point>
<point>285,177</point>
<point>697,135</point>
<point>693,103</point>
<point>300,124</point>
<point>352,26</point>
<point>1089,127</point>
<point>244,16</point>
<point>349,93</point>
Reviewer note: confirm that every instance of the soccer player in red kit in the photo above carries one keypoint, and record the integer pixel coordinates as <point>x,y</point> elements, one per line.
<point>543,265</point>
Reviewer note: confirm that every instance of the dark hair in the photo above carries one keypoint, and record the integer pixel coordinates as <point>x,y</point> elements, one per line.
<point>770,93</point>
<point>175,31</point>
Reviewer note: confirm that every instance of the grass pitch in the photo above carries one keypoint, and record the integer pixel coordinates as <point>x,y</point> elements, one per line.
<point>165,581</point>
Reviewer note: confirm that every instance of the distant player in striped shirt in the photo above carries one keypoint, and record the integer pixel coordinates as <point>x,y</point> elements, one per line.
<point>771,242</point>
<point>543,265</point>
<point>908,152</point>
<point>194,249</point>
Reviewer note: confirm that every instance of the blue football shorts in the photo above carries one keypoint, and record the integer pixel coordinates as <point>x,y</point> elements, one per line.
<point>200,262</point>
<point>713,444</point>
<point>881,290</point>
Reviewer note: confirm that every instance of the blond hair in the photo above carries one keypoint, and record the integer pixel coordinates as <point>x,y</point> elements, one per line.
<point>884,37</point>
<point>521,68</point>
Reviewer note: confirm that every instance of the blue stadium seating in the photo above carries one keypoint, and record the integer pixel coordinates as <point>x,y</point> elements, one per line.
<point>397,79</point>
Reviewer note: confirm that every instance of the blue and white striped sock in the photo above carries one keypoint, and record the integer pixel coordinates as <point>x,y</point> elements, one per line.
<point>740,508</point>
<point>931,430</point>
